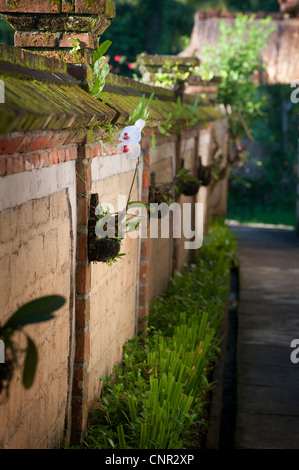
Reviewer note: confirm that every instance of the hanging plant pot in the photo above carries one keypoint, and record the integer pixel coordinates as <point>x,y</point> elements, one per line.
<point>160,193</point>
<point>190,186</point>
<point>102,249</point>
<point>187,185</point>
<point>204,174</point>
<point>185,182</point>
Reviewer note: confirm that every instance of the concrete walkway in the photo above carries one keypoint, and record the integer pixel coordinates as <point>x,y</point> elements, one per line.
<point>268,320</point>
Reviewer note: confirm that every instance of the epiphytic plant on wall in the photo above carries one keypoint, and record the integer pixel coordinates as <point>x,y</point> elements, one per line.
<point>160,193</point>
<point>107,230</point>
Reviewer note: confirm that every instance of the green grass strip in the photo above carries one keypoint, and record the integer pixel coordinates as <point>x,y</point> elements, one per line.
<point>157,397</point>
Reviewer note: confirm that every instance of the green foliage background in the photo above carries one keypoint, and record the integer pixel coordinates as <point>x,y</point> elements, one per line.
<point>161,26</point>
<point>6,32</point>
<point>156,26</point>
<point>164,27</point>
<point>269,197</point>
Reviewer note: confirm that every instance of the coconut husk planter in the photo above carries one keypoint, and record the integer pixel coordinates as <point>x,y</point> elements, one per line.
<point>106,248</point>
<point>187,185</point>
<point>204,174</point>
<point>190,186</point>
<point>160,193</point>
<point>186,181</point>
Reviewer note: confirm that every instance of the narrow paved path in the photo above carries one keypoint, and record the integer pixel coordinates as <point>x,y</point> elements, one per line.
<point>268,320</point>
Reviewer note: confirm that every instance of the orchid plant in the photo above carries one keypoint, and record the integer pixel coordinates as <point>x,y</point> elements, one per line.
<point>100,70</point>
<point>130,138</point>
<point>128,146</point>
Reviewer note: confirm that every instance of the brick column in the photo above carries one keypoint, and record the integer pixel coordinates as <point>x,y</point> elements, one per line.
<point>178,163</point>
<point>47,26</point>
<point>83,287</point>
<point>144,273</point>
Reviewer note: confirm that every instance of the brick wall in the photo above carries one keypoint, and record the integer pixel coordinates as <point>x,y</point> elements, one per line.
<point>113,309</point>
<point>163,163</point>
<point>36,259</point>
<point>51,162</point>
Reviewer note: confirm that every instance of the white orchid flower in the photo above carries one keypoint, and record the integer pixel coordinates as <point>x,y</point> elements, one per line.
<point>130,135</point>
<point>99,210</point>
<point>140,123</point>
<point>130,151</point>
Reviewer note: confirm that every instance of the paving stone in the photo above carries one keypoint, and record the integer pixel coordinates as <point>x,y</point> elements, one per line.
<point>258,431</point>
<point>263,399</point>
<point>268,320</point>
<point>267,365</point>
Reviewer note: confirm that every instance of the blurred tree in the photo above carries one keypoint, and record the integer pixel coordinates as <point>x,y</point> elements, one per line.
<point>6,32</point>
<point>253,5</point>
<point>155,26</point>
<point>163,26</point>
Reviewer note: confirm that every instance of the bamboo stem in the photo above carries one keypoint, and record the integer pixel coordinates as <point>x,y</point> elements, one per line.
<point>132,184</point>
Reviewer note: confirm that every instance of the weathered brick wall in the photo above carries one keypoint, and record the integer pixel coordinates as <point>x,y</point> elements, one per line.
<point>113,309</point>
<point>204,193</point>
<point>169,254</point>
<point>188,151</point>
<point>219,191</point>
<point>36,259</point>
<point>50,165</point>
<point>163,163</point>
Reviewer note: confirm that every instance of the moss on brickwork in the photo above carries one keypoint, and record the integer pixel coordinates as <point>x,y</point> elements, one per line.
<point>110,12</point>
<point>21,23</point>
<point>48,98</point>
<point>68,23</point>
<point>16,55</point>
<point>63,55</point>
<point>124,94</point>
<point>35,105</point>
<point>27,6</point>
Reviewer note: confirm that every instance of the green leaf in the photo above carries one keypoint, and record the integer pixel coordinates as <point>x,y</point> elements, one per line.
<point>163,131</point>
<point>100,74</point>
<point>140,203</point>
<point>101,50</point>
<point>37,311</point>
<point>132,226</point>
<point>182,172</point>
<point>153,140</point>
<point>76,41</point>
<point>121,437</point>
<point>30,364</point>
<point>141,112</point>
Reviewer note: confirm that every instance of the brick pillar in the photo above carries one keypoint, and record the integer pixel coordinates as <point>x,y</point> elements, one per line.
<point>83,288</point>
<point>47,26</point>
<point>178,163</point>
<point>144,273</point>
<point>193,254</point>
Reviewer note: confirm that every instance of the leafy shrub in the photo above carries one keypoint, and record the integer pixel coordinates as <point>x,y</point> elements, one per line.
<point>159,393</point>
